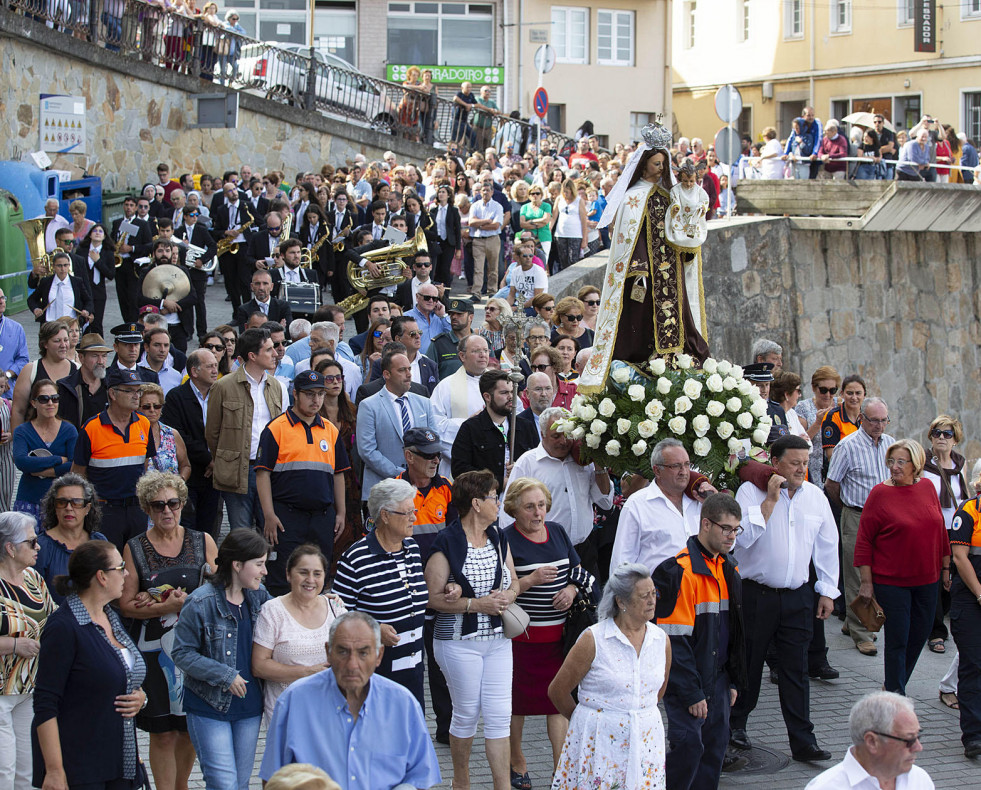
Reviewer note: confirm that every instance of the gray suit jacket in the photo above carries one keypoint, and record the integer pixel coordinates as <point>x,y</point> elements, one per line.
<point>379,436</point>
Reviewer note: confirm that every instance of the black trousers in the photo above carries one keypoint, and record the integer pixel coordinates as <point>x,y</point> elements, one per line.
<point>299,526</point>
<point>122,519</point>
<point>784,617</point>
<point>127,291</point>
<point>965,626</point>
<point>444,263</point>
<point>99,310</point>
<point>199,283</point>
<point>206,501</point>
<point>439,692</point>
<point>697,746</point>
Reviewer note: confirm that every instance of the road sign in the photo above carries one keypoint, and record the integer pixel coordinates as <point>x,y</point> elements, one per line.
<point>728,147</point>
<point>541,103</point>
<point>728,103</point>
<point>545,58</point>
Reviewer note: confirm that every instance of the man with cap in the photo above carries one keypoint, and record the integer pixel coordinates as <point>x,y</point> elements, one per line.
<point>112,451</point>
<point>761,374</point>
<point>301,490</point>
<point>83,391</point>
<point>128,345</point>
<point>443,347</point>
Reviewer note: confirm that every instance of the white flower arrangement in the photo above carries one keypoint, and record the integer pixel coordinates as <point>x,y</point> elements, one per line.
<point>612,448</point>
<point>658,366</point>
<point>682,405</point>
<point>592,441</point>
<point>700,424</point>
<point>623,425</point>
<point>606,408</point>
<point>639,447</point>
<point>597,427</point>
<point>647,429</point>
<point>692,388</point>
<point>636,393</point>
<point>715,409</point>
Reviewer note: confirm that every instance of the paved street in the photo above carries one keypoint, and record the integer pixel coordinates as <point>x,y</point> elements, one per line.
<point>830,701</point>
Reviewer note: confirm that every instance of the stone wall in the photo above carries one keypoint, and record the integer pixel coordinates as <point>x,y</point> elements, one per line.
<point>901,309</point>
<point>138,115</point>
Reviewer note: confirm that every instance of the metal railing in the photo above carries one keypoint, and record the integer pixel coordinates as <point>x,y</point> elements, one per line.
<point>155,33</point>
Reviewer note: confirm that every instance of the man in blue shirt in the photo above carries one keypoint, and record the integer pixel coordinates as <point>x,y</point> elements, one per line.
<point>969,158</point>
<point>366,732</point>
<point>13,343</point>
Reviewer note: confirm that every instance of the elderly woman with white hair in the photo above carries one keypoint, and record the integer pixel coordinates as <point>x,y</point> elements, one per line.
<point>621,667</point>
<point>381,575</point>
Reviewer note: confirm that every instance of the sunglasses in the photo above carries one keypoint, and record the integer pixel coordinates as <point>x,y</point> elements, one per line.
<point>273,228</point>
<point>414,333</point>
<point>280,344</point>
<point>942,433</point>
<point>62,502</point>
<point>427,456</point>
<point>571,317</point>
<point>592,302</point>
<point>48,398</point>
<point>216,347</point>
<point>827,390</point>
<point>335,379</point>
<point>540,368</point>
<point>32,542</point>
<point>151,407</point>
<point>194,214</point>
<point>376,334</point>
<point>428,298</point>
<point>173,504</point>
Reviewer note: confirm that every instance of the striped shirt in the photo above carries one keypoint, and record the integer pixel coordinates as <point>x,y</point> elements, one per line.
<point>859,464</point>
<point>391,588</point>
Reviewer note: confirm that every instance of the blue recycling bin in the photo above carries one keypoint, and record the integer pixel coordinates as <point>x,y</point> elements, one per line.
<point>31,186</point>
<point>88,190</point>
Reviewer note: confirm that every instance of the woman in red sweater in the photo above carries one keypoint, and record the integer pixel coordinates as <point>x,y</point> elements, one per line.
<point>901,551</point>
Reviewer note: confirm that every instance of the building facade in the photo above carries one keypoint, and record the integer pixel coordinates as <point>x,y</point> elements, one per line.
<point>840,56</point>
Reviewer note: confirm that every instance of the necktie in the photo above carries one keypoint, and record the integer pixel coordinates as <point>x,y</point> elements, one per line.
<point>376,232</point>
<point>60,299</point>
<point>264,307</point>
<point>406,425</point>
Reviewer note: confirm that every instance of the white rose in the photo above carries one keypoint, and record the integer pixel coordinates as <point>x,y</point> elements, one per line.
<point>683,361</point>
<point>677,425</point>
<point>658,366</point>
<point>692,388</point>
<point>737,372</point>
<point>576,403</point>
<point>766,420</point>
<point>623,425</point>
<point>664,385</point>
<point>725,367</point>
<point>710,366</point>
<point>592,441</point>
<point>577,433</point>
<point>597,427</point>
<point>621,375</point>
<point>745,387</point>
<point>715,408</point>
<point>564,426</point>
<point>587,413</point>
<point>612,448</point>
<point>606,407</point>
<point>714,383</point>
<point>760,435</point>
<point>700,425</point>
<point>647,428</point>
<point>758,409</point>
<point>725,429</point>
<point>735,445</point>
<point>639,448</point>
<point>702,446</point>
<point>654,410</point>
<point>729,384</point>
<point>734,404</point>
<point>682,405</point>
<point>636,392</point>
<point>745,420</point>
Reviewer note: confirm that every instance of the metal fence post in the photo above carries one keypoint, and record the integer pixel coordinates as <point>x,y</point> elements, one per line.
<point>309,96</point>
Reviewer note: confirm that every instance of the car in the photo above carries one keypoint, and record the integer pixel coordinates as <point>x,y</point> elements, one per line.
<point>280,72</point>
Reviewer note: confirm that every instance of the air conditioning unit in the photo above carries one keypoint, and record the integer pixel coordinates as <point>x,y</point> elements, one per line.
<point>767,90</point>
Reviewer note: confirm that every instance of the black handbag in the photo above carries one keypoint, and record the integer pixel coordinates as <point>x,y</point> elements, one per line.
<point>581,615</point>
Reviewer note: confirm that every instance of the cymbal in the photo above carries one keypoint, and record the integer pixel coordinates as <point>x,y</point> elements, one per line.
<point>166,281</point>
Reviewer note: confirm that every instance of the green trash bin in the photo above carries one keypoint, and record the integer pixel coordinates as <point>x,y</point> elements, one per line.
<point>112,206</point>
<point>14,265</point>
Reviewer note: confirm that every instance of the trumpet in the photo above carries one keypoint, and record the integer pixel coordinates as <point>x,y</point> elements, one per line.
<point>225,245</point>
<point>307,254</point>
<point>117,257</point>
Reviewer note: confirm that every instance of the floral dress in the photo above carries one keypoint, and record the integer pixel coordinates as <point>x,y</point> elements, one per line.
<point>166,458</point>
<point>616,738</point>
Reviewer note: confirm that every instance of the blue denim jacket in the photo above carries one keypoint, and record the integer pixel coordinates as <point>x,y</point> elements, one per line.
<point>206,642</point>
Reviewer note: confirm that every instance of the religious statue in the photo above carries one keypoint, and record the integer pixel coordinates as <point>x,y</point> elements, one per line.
<point>653,303</point>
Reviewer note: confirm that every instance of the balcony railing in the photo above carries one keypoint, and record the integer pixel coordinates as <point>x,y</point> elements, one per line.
<point>154,33</point>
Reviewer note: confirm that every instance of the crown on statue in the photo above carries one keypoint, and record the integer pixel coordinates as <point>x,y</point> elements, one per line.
<point>656,135</point>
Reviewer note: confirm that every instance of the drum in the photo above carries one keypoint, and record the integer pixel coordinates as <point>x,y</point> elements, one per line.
<point>303,298</point>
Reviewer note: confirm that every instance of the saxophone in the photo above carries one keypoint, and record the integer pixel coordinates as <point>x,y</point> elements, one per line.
<point>307,254</point>
<point>117,257</point>
<point>226,245</point>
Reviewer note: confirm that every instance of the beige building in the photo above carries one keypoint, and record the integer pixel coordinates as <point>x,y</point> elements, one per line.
<point>840,56</point>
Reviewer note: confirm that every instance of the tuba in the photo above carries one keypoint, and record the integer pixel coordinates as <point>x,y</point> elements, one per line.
<point>393,270</point>
<point>33,230</point>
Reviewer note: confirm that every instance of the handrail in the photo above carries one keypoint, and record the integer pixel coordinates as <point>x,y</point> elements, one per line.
<point>155,33</point>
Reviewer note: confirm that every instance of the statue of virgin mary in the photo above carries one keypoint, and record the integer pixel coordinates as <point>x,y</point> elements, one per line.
<point>653,304</point>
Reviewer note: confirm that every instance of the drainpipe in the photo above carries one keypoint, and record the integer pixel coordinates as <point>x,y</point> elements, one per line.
<point>810,79</point>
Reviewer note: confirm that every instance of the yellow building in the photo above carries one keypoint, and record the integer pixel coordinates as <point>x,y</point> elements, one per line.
<point>840,56</point>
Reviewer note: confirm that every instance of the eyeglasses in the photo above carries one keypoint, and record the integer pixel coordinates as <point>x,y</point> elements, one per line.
<point>942,433</point>
<point>76,502</point>
<point>127,391</point>
<point>899,463</point>
<point>32,542</point>
<point>151,406</point>
<point>120,567</point>
<point>413,333</point>
<point>541,368</point>
<point>158,505</point>
<point>676,467</point>
<point>491,497</point>
<point>215,347</point>
<point>909,742</point>
<point>725,530</point>
<point>427,456</point>
<point>872,421</point>
<point>42,398</point>
<point>827,390</point>
<point>412,512</point>
<point>537,338</point>
<point>333,379</point>
<point>527,255</point>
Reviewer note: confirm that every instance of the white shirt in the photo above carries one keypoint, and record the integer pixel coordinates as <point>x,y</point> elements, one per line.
<point>490,210</point>
<point>96,274</point>
<point>526,282</point>
<point>202,401</point>
<point>61,298</point>
<point>850,775</point>
<point>291,275</point>
<point>260,409</point>
<point>57,223</point>
<point>234,217</point>
<point>772,167</point>
<point>573,487</point>
<point>652,530</point>
<point>448,424</point>
<point>778,552</point>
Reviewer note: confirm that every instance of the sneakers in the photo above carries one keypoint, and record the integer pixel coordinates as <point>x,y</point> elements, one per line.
<point>867,648</point>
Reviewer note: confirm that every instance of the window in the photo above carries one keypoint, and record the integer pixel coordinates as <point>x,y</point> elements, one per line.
<point>839,109</point>
<point>972,116</point>
<point>841,16</point>
<point>570,28</point>
<point>440,34</point>
<point>690,11</point>
<point>907,111</point>
<point>615,38</point>
<point>793,19</point>
<point>638,120</point>
<point>744,124</point>
<point>335,32</point>
<point>742,22</point>
<point>970,9</point>
<point>904,13</point>
<point>555,118</point>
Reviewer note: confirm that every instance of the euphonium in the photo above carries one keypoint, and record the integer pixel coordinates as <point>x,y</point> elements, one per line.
<point>33,230</point>
<point>393,271</point>
<point>225,245</point>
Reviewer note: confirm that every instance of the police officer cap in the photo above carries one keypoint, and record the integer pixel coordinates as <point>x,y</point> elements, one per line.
<point>460,306</point>
<point>308,380</point>
<point>422,439</point>
<point>759,372</point>
<point>128,333</point>
<point>117,377</point>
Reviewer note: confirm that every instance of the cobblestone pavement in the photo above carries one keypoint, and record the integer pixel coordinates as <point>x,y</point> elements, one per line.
<point>942,756</point>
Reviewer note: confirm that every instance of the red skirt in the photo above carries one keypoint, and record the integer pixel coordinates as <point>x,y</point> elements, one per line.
<point>535,666</point>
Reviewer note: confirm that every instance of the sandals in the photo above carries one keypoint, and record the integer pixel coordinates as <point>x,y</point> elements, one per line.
<point>949,699</point>
<point>520,781</point>
<point>937,646</point>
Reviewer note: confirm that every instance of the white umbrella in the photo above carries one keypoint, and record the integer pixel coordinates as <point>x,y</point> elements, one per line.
<point>867,120</point>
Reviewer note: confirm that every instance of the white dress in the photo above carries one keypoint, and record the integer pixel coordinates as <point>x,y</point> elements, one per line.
<point>616,738</point>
